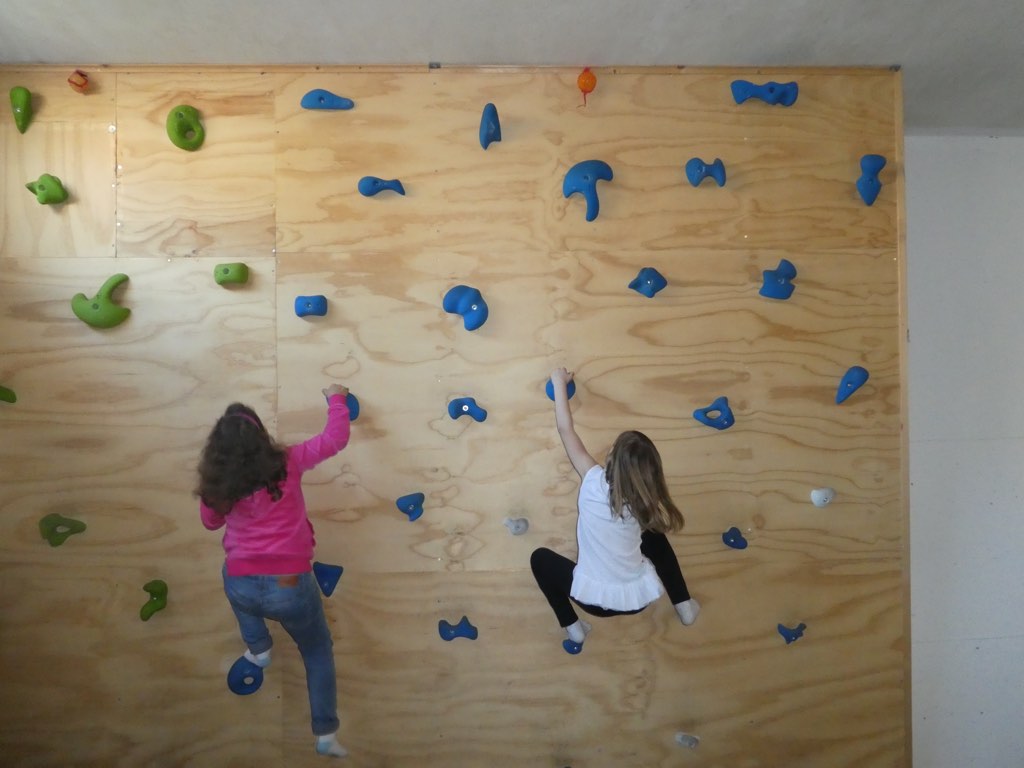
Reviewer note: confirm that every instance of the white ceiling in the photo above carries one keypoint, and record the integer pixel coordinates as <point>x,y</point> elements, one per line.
<point>961,59</point>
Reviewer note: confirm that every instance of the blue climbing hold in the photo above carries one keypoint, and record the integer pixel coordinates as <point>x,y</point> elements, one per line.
<point>723,418</point>
<point>697,170</point>
<point>411,505</point>
<point>371,185</point>
<point>468,302</point>
<point>648,281</point>
<point>570,389</point>
<point>244,677</point>
<point>733,538</point>
<point>583,178</point>
<point>310,305</point>
<point>571,646</point>
<point>770,93</point>
<point>318,98</point>
<point>852,380</point>
<point>353,406</point>
<point>463,629</point>
<point>868,184</point>
<point>327,576</point>
<point>490,126</point>
<point>778,282</point>
<point>466,406</point>
<point>792,635</point>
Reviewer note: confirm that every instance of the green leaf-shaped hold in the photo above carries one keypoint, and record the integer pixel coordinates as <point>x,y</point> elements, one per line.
<point>48,190</point>
<point>100,311</point>
<point>21,105</point>
<point>7,395</point>
<point>184,128</point>
<point>157,589</point>
<point>56,528</point>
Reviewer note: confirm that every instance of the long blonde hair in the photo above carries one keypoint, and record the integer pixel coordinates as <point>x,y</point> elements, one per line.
<point>636,483</point>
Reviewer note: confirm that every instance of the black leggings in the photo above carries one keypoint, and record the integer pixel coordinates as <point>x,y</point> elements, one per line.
<point>553,573</point>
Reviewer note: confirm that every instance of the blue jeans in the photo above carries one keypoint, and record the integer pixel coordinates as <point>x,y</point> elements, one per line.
<point>294,601</point>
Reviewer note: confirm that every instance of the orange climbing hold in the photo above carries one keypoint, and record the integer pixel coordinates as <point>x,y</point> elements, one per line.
<point>586,82</point>
<point>79,81</point>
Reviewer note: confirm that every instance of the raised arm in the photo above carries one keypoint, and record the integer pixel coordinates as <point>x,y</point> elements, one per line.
<point>581,459</point>
<point>335,434</point>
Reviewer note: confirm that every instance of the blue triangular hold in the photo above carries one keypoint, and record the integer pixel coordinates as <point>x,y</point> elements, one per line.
<point>327,576</point>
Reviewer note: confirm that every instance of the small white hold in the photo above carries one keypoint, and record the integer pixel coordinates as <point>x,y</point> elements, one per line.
<point>517,526</point>
<point>820,497</point>
<point>687,740</point>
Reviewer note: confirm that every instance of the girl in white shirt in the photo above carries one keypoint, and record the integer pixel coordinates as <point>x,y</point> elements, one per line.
<point>624,512</point>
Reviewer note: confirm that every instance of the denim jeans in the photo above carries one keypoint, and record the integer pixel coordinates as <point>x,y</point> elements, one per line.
<point>295,602</point>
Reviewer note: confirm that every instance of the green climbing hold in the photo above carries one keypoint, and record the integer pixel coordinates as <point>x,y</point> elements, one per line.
<point>184,129</point>
<point>157,598</point>
<point>48,190</point>
<point>236,272</point>
<point>21,105</point>
<point>100,311</point>
<point>7,395</point>
<point>56,528</point>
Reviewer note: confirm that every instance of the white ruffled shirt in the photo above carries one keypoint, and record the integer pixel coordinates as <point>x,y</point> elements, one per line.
<point>611,572</point>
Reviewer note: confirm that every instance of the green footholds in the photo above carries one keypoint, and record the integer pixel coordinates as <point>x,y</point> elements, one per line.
<point>56,528</point>
<point>157,589</point>
<point>48,190</point>
<point>7,395</point>
<point>184,128</point>
<point>227,274</point>
<point>21,105</point>
<point>100,311</point>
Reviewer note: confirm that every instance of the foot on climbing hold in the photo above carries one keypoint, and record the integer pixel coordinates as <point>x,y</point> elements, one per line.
<point>411,505</point>
<point>852,380</point>
<point>466,406</point>
<point>56,528</point>
<point>235,273</point>
<point>100,311</point>
<point>770,93</point>
<point>462,629</point>
<point>778,282</point>
<point>327,576</point>
<point>21,106</point>
<point>7,395</point>
<point>517,526</point>
<point>648,281</point>
<point>792,635</point>
<point>724,418</point>
<point>571,646</point>
<point>184,128</point>
<point>490,126</point>
<point>157,598</point>
<point>468,302</point>
<point>697,170</point>
<point>570,389</point>
<point>687,740</point>
<point>733,538</point>
<point>244,677</point>
<point>79,81</point>
<point>583,178</point>
<point>868,184</point>
<point>318,98</point>
<point>821,497</point>
<point>371,185</point>
<point>48,190</point>
<point>311,305</point>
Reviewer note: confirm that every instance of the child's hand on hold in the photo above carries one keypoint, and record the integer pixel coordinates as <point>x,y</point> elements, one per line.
<point>336,389</point>
<point>561,376</point>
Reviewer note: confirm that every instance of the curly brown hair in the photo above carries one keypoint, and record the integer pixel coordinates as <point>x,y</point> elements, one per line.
<point>239,459</point>
<point>636,483</point>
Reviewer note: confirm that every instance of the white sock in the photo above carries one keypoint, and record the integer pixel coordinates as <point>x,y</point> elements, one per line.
<point>578,632</point>
<point>261,660</point>
<point>328,745</point>
<point>687,611</point>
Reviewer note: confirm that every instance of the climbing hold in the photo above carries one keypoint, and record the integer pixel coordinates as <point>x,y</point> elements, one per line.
<point>371,185</point>
<point>327,576</point>
<point>770,93</point>
<point>868,184</point>
<point>572,646</point>
<point>79,81</point>
<point>56,528</point>
<point>100,311</point>
<point>697,170</point>
<point>852,380</point>
<point>462,629</point>
<point>687,740</point>
<point>353,406</point>
<point>778,282</point>
<point>583,178</point>
<point>21,106</point>
<point>235,273</point>
<point>48,190</point>
<point>733,538</point>
<point>184,128</point>
<point>517,526</point>
<point>7,395</point>
<point>792,635</point>
<point>157,589</point>
<point>411,505</point>
<point>311,305</point>
<point>490,126</point>
<point>648,281</point>
<point>586,82</point>
<point>724,418</point>
<point>318,98</point>
<point>570,389</point>
<point>821,497</point>
<point>468,302</point>
<point>466,406</point>
<point>244,677</point>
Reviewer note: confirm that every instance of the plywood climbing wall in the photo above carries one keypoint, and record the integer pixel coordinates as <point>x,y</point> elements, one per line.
<point>108,424</point>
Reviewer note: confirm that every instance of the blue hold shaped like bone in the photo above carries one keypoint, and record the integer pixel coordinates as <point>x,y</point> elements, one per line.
<point>411,505</point>
<point>724,418</point>
<point>466,406</point>
<point>318,98</point>
<point>327,576</point>
<point>778,282</point>
<point>697,170</point>
<point>792,635</point>
<point>310,305</point>
<point>733,538</point>
<point>449,632</point>
<point>868,184</point>
<point>783,94</point>
<point>570,389</point>
<point>244,677</point>
<point>852,380</point>
<point>583,178</point>
<point>371,185</point>
<point>468,302</point>
<point>648,281</point>
<point>490,126</point>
